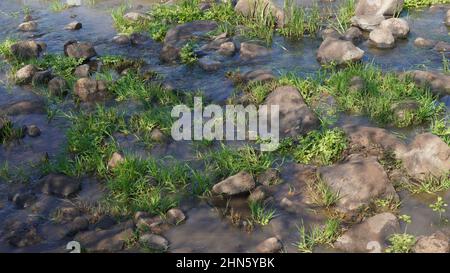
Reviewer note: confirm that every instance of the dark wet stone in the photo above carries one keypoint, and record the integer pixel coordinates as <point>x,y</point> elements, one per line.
<point>79,50</point>
<point>25,74</point>
<point>250,51</point>
<point>26,49</point>
<point>209,64</point>
<point>437,242</point>
<point>33,131</point>
<point>121,39</point>
<point>78,224</point>
<point>138,38</point>
<point>82,71</point>
<point>258,194</point>
<point>110,240</point>
<point>259,75</point>
<point>57,86</point>
<point>23,199</point>
<point>442,47</point>
<point>21,234</point>
<point>154,241</point>
<point>60,185</point>
<point>269,177</point>
<point>354,35</point>
<point>271,245</point>
<point>42,77</point>
<point>239,183</point>
<point>105,222</point>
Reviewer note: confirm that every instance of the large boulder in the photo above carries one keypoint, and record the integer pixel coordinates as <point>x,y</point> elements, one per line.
<point>370,235</point>
<point>372,136</point>
<point>60,185</point>
<point>90,89</point>
<point>179,35</point>
<point>358,181</point>
<point>295,117</point>
<point>338,52</point>
<point>250,51</point>
<point>435,243</point>
<point>378,7</point>
<point>367,22</point>
<point>26,49</point>
<point>251,8</point>
<point>241,182</point>
<point>381,38</point>
<point>399,27</point>
<point>428,155</point>
<point>438,82</point>
<point>79,50</point>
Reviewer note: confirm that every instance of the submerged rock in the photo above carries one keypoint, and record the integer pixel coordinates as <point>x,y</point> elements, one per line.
<point>239,183</point>
<point>442,47</point>
<point>358,181</point>
<point>79,50</point>
<point>60,185</point>
<point>399,27</point>
<point>110,240</point>
<point>338,51</point>
<point>249,7</point>
<point>28,26</point>
<point>381,38</point>
<point>271,245</point>
<point>33,130</point>
<point>175,216</point>
<point>90,89</point>
<point>367,22</point>
<point>227,49</point>
<point>121,39</point>
<point>42,77</point>
<point>424,43</point>
<point>259,75</point>
<point>154,241</point>
<point>20,234</point>
<point>295,117</point>
<point>369,236</point>
<point>26,49</point>
<point>57,86</point>
<point>438,242</point>
<point>378,7</point>
<point>427,155</point>
<point>209,64</point>
<point>251,51</point>
<point>24,107</point>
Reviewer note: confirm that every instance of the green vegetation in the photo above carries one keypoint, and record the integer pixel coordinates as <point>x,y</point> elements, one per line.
<point>325,235</point>
<point>430,185</point>
<point>187,54</point>
<point>401,243</point>
<point>8,132</point>
<point>321,194</point>
<point>341,21</point>
<point>439,207</point>
<point>423,3</point>
<point>260,213</point>
<point>441,128</point>
<point>300,21</point>
<point>226,161</point>
<point>58,6</point>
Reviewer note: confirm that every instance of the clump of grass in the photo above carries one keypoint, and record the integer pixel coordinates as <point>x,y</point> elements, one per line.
<point>5,48</point>
<point>187,54</point>
<point>321,147</point>
<point>423,3</point>
<point>8,132</point>
<point>309,87</point>
<point>430,185</point>
<point>143,123</point>
<point>321,194</point>
<point>58,6</point>
<point>439,207</point>
<point>401,243</point>
<point>389,204</point>
<point>120,63</point>
<point>341,19</point>
<point>381,92</point>
<point>226,161</point>
<point>260,213</point>
<point>126,26</point>
<point>324,235</point>
<point>300,21</point>
<point>441,128</point>
<point>61,65</point>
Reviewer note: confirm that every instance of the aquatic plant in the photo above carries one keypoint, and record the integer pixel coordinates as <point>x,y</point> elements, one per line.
<point>187,54</point>
<point>318,235</point>
<point>260,213</point>
<point>401,243</point>
<point>423,3</point>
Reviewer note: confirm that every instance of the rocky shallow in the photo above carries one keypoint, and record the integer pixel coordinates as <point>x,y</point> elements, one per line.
<point>87,155</point>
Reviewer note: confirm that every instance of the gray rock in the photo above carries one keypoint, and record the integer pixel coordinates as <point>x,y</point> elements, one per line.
<point>358,181</point>
<point>269,177</point>
<point>369,236</point>
<point>19,234</point>
<point>258,194</point>
<point>239,183</point>
<point>442,47</point>
<point>175,216</point>
<point>111,240</point>
<point>78,224</point>
<point>28,26</point>
<point>338,52</point>
<point>154,241</point>
<point>399,27</point>
<point>271,245</point>
<point>82,71</point>
<point>381,38</point>
<point>438,242</point>
<point>259,75</point>
<point>227,49</point>
<point>438,82</point>
<point>60,185</point>
<point>367,22</point>
<point>249,7</point>
<point>295,117</point>
<point>33,131</point>
<point>42,77</point>
<point>25,74</point>
<point>330,33</point>
<point>427,155</point>
<point>378,7</point>
<point>121,39</point>
<point>87,89</point>
<point>179,35</point>
<point>79,50</point>
<point>251,51</point>
<point>57,86</point>
<point>354,35</point>
<point>209,64</point>
<point>424,43</point>
<point>134,16</point>
<point>75,25</point>
<point>24,107</point>
<point>105,222</point>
